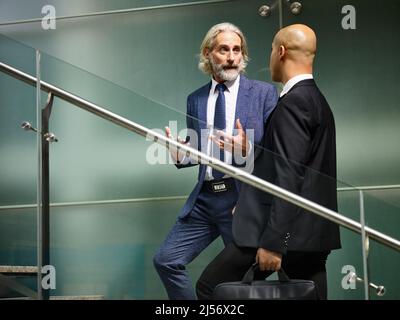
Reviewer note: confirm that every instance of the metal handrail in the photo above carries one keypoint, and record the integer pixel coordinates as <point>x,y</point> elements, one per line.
<point>205,159</point>
<point>168,198</point>
<point>368,188</point>
<point>93,202</point>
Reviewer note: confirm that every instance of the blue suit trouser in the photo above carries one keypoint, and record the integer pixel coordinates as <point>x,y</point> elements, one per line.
<point>211,216</point>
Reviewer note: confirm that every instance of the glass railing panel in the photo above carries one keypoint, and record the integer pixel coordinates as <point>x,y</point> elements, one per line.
<point>383,263</point>
<point>18,155</point>
<point>349,259</point>
<point>107,250</point>
<point>88,145</point>
<point>18,164</point>
<point>17,54</point>
<point>381,210</point>
<point>18,245</point>
<point>382,213</point>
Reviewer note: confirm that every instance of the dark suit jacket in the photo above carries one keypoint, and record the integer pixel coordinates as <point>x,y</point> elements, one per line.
<point>255,102</point>
<point>299,155</point>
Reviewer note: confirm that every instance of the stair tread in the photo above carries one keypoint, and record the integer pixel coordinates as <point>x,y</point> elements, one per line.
<point>78,297</point>
<point>18,269</point>
<point>82,297</point>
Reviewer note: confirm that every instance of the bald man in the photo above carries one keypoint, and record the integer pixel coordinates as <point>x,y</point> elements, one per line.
<point>298,153</point>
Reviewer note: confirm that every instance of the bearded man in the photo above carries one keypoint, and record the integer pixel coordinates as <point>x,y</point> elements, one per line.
<point>234,105</point>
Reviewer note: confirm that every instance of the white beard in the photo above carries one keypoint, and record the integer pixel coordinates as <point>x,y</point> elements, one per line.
<point>226,74</point>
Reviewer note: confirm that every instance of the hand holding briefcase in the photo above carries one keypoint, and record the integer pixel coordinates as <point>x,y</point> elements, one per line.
<point>282,289</point>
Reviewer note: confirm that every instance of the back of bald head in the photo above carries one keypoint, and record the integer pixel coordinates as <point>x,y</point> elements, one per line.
<point>299,41</point>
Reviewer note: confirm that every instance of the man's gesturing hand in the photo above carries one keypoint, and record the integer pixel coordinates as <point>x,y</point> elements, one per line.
<point>177,155</point>
<point>237,143</point>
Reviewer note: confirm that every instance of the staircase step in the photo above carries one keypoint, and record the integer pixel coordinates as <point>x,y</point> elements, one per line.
<point>18,270</point>
<point>82,297</point>
<point>87,297</point>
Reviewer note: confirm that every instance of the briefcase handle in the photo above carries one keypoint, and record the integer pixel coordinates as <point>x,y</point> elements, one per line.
<point>249,276</point>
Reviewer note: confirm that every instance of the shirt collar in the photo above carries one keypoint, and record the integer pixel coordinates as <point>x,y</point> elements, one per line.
<point>230,85</point>
<point>289,85</point>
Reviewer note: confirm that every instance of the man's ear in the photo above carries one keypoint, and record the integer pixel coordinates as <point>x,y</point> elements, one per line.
<point>281,52</point>
<point>206,52</point>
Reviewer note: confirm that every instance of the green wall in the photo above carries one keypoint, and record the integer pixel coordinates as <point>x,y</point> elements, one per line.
<point>142,65</point>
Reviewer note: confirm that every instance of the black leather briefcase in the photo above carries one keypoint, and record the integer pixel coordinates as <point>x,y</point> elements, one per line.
<point>282,289</point>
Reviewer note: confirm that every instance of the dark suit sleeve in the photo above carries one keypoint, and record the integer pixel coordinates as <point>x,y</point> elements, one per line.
<point>190,125</point>
<point>290,130</point>
<point>270,102</point>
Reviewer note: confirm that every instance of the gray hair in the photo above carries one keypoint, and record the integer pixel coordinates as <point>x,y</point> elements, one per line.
<point>209,43</point>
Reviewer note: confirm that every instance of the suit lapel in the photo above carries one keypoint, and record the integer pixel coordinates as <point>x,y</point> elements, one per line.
<point>243,101</point>
<point>202,99</point>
